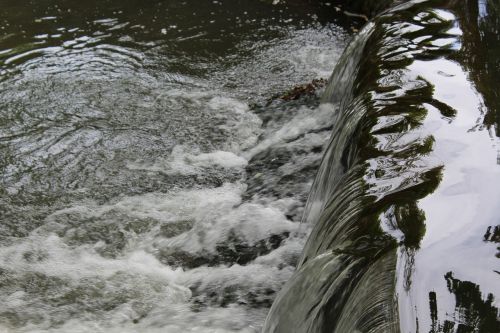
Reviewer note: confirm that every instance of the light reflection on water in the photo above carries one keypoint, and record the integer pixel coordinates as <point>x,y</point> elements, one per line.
<point>404,205</point>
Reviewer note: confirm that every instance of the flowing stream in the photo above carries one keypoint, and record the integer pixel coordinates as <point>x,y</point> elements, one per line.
<point>404,207</point>
<point>150,180</point>
<point>156,166</point>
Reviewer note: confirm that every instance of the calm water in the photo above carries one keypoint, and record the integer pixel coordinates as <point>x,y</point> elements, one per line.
<point>145,186</point>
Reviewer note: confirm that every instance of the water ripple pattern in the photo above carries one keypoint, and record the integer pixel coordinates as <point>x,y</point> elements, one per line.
<point>149,180</point>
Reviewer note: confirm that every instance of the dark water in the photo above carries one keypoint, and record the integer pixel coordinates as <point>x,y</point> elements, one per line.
<point>405,204</point>
<point>146,183</point>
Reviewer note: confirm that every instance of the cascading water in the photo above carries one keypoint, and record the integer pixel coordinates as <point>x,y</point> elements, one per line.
<point>409,183</point>
<point>140,191</point>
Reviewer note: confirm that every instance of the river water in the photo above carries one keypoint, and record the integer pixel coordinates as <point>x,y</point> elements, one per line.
<point>405,202</point>
<point>149,182</point>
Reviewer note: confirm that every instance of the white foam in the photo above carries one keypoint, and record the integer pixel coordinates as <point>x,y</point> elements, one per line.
<point>250,222</point>
<point>165,207</point>
<point>163,290</point>
<point>151,284</point>
<point>181,162</point>
<point>132,284</point>
<point>173,319</point>
<point>304,121</point>
<point>233,114</point>
<point>215,213</point>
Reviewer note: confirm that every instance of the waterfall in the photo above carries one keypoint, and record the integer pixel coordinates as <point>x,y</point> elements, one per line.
<point>405,190</point>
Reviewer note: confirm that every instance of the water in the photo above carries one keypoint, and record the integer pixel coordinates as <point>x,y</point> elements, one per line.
<point>147,184</point>
<point>405,204</point>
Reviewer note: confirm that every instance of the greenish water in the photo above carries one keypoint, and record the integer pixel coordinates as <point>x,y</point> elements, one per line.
<point>144,184</point>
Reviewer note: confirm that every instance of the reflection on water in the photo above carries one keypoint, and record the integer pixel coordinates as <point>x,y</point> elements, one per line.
<point>493,235</point>
<point>140,190</point>
<point>408,184</point>
<point>481,53</point>
<point>473,312</point>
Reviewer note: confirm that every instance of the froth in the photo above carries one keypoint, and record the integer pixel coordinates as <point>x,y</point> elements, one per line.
<point>181,162</point>
<point>306,120</point>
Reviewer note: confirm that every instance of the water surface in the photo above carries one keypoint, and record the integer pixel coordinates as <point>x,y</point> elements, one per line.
<point>405,203</point>
<point>144,183</point>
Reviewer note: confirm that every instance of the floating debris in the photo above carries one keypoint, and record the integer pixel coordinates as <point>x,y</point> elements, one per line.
<point>304,89</point>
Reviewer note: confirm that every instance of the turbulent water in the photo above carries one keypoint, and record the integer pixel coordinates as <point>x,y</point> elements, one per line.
<point>405,204</point>
<point>155,167</point>
<point>149,182</point>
